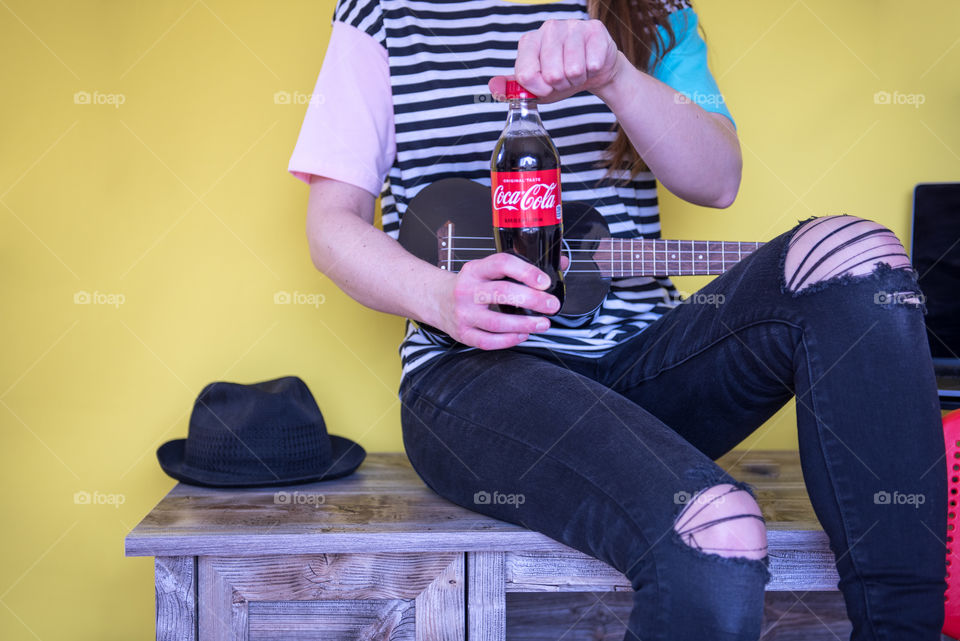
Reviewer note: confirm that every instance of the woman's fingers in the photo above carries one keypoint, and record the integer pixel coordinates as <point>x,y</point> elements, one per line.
<point>554,37</point>
<point>504,292</point>
<point>600,52</point>
<point>496,266</point>
<point>498,322</point>
<point>498,87</point>
<point>561,58</point>
<point>490,341</point>
<point>527,67</point>
<point>574,59</point>
<point>481,284</point>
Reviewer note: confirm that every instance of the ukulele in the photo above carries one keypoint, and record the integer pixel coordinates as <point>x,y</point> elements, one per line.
<point>449,223</point>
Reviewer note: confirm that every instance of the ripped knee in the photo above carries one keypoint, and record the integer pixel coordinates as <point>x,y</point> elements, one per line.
<point>829,247</point>
<point>723,519</point>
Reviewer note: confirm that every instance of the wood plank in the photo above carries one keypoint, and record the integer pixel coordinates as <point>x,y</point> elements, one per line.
<point>232,591</point>
<point>240,621</point>
<point>441,609</point>
<point>175,580</point>
<point>326,577</point>
<point>486,596</point>
<point>581,616</point>
<point>577,616</point>
<point>215,618</point>
<point>797,562</point>
<point>385,507</point>
<point>360,620</point>
<point>566,571</point>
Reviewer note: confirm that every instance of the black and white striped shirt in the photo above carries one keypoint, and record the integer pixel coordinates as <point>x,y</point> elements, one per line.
<point>441,53</point>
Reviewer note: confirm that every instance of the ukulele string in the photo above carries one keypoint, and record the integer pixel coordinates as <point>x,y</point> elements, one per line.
<point>617,238</point>
<point>613,254</point>
<point>618,251</point>
<point>614,248</point>
<point>456,264</point>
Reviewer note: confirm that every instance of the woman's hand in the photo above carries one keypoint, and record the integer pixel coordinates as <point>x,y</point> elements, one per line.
<point>562,58</point>
<point>464,309</point>
<point>693,153</point>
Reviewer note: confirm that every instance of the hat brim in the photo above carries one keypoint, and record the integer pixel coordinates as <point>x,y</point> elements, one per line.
<point>347,457</point>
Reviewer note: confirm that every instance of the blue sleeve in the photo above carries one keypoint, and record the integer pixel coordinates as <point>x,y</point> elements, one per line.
<point>685,66</point>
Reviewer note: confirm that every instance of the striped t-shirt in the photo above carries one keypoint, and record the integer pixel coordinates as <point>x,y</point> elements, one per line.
<point>440,55</point>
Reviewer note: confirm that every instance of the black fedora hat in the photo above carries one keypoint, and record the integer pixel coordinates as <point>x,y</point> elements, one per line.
<point>264,434</point>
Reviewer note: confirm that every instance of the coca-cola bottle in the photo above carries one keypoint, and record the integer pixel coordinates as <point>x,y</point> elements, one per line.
<point>525,185</point>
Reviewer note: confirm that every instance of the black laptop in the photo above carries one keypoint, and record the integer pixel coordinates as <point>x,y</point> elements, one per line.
<point>935,255</point>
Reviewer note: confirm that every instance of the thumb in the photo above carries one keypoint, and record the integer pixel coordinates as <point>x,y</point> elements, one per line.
<point>498,86</point>
<point>564,261</point>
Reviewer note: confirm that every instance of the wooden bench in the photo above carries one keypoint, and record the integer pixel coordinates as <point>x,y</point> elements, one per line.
<point>377,555</point>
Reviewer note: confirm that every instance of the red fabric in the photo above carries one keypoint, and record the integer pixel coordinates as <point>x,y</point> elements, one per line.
<point>951,435</point>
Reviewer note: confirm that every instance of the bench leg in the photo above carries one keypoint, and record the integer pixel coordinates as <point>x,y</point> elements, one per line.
<point>440,608</point>
<point>486,596</point>
<point>176,582</point>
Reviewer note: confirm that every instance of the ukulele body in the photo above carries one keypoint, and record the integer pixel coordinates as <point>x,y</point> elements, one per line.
<point>467,206</point>
<point>450,222</point>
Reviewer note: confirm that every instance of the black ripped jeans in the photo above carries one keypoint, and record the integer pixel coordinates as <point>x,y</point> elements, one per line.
<point>594,453</point>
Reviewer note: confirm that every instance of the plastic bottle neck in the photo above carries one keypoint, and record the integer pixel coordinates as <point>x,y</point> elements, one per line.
<point>523,114</point>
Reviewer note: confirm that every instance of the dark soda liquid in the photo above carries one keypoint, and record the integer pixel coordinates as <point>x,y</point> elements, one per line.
<point>538,245</point>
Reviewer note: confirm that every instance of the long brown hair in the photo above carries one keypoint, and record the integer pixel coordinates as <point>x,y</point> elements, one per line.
<point>633,26</point>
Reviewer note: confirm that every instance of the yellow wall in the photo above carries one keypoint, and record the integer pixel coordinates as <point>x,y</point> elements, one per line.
<point>178,200</point>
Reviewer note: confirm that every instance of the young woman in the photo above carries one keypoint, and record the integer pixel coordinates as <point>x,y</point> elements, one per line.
<point>608,427</point>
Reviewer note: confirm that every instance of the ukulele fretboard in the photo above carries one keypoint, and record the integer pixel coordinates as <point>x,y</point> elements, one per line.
<point>624,257</point>
<point>612,257</point>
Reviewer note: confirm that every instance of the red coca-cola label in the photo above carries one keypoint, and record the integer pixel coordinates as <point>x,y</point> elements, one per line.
<point>526,198</point>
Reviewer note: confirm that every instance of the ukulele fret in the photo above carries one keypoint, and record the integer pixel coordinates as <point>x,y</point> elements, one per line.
<point>622,257</point>
<point>445,246</point>
<point>659,257</point>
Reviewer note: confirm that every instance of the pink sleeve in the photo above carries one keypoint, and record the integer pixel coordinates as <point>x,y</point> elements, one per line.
<point>347,133</point>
